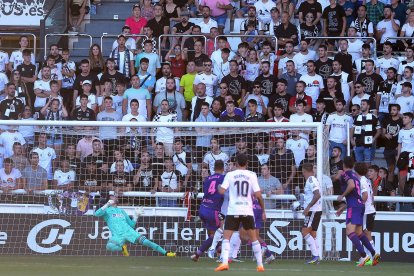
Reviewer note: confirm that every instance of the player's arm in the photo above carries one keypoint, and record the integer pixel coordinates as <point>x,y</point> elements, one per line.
<point>315,198</point>
<point>131,222</point>
<point>349,188</point>
<point>364,192</point>
<point>102,211</point>
<point>340,210</point>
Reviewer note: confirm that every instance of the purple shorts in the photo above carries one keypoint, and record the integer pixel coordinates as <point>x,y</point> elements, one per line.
<point>355,215</point>
<point>209,217</point>
<point>258,218</point>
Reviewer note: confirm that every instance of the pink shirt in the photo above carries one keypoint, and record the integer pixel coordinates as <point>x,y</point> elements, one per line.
<point>212,4</point>
<point>136,26</point>
<point>85,147</point>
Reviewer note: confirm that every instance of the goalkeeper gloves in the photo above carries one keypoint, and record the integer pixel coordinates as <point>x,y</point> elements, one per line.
<point>138,212</point>
<point>109,203</point>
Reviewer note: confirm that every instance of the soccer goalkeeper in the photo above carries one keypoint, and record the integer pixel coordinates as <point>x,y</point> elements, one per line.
<point>122,228</point>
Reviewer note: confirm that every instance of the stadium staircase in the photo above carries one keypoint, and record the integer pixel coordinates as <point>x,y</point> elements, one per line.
<point>109,18</point>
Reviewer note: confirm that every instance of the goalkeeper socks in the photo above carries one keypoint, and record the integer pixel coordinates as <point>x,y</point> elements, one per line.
<point>204,246</point>
<point>217,237</point>
<point>111,246</point>
<point>357,243</point>
<point>257,249</point>
<point>235,243</point>
<point>312,244</point>
<point>225,248</point>
<point>366,243</point>
<point>153,246</point>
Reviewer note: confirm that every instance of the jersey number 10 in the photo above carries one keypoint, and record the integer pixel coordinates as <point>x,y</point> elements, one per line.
<point>242,188</point>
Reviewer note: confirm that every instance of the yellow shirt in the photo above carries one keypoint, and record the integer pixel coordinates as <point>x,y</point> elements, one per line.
<point>187,81</point>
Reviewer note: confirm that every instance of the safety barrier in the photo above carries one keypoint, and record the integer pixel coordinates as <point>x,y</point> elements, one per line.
<point>179,35</point>
<point>106,35</point>
<point>348,37</point>
<point>69,35</point>
<point>244,35</point>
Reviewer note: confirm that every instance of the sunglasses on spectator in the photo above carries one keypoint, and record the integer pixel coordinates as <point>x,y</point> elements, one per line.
<point>207,64</point>
<point>256,86</point>
<point>354,110</point>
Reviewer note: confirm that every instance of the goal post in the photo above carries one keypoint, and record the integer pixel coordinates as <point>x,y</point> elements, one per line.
<point>83,162</point>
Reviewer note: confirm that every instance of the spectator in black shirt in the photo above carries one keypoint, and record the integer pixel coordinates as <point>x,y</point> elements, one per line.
<point>184,27</point>
<point>83,76</point>
<point>119,181</point>
<point>196,55</point>
<point>323,64</point>
<point>92,179</point>
<point>27,72</point>
<point>282,165</point>
<point>11,107</point>
<point>310,6</point>
<point>334,20</point>
<point>343,56</point>
<point>267,80</point>
<point>336,169</point>
<point>320,115</point>
<point>281,97</point>
<point>236,84</point>
<point>159,24</point>
<point>331,94</point>
<point>83,113</point>
<point>286,31</point>
<point>254,116</point>
<point>391,126</point>
<point>112,75</point>
<point>371,79</point>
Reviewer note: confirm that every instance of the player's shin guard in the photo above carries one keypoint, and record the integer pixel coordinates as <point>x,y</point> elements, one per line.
<point>366,243</point>
<point>312,245</point>
<point>204,246</point>
<point>111,246</point>
<point>225,248</point>
<point>218,235</point>
<point>357,243</point>
<point>257,249</point>
<point>144,241</point>
<point>235,243</point>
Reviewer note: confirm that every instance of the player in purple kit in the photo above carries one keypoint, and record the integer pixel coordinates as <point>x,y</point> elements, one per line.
<point>351,191</point>
<point>210,206</point>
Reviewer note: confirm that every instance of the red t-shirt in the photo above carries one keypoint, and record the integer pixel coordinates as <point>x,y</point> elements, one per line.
<point>278,133</point>
<point>292,101</point>
<point>178,67</point>
<point>136,26</point>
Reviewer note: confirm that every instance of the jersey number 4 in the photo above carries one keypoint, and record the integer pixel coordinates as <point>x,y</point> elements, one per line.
<point>212,188</point>
<point>242,188</point>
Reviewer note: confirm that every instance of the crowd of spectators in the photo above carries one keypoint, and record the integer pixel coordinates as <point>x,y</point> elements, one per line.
<point>337,81</point>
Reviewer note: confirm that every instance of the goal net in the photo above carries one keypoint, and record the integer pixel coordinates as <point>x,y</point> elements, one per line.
<point>55,175</point>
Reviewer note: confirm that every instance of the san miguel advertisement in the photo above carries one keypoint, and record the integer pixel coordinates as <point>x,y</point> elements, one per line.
<point>88,235</point>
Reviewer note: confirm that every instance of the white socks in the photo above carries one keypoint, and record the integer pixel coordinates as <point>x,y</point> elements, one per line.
<point>235,243</point>
<point>312,244</point>
<point>225,248</point>
<point>218,235</point>
<point>257,250</point>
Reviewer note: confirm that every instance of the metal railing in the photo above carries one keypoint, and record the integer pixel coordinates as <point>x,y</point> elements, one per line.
<point>348,37</point>
<point>22,34</point>
<point>106,35</point>
<point>179,35</point>
<point>244,35</point>
<point>69,35</point>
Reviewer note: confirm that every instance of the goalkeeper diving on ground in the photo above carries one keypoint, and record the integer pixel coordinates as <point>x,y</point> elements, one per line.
<point>122,228</point>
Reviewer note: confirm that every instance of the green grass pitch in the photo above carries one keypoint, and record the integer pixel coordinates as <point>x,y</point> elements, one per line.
<point>151,266</point>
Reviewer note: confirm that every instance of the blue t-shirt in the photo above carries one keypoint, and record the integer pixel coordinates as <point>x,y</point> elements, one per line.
<point>212,197</point>
<point>354,198</point>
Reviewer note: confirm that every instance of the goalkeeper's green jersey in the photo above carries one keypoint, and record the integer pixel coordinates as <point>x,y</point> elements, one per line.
<point>117,220</point>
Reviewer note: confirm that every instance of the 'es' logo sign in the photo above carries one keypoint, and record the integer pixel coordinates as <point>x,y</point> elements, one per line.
<point>54,236</point>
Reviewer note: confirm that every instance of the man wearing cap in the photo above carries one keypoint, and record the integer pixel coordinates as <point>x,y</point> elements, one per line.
<point>86,90</point>
<point>136,22</point>
<point>251,17</point>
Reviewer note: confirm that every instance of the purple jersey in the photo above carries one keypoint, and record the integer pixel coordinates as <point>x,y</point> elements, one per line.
<point>212,197</point>
<point>353,199</point>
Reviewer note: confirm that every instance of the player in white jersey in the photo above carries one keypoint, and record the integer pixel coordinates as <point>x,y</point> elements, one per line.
<point>369,214</point>
<point>242,185</point>
<point>312,212</point>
